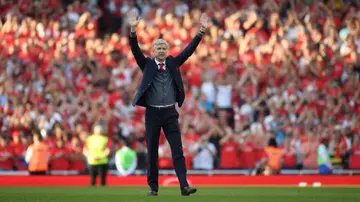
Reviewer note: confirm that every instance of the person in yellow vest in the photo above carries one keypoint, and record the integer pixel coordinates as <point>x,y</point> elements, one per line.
<point>37,155</point>
<point>97,150</point>
<point>274,158</point>
<point>271,162</point>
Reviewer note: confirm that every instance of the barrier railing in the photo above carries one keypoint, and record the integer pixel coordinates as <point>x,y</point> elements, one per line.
<point>191,172</point>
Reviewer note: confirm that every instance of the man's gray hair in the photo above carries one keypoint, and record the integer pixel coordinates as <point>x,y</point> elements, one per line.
<point>160,42</point>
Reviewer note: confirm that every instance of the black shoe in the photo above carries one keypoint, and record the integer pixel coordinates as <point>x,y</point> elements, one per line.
<point>186,191</point>
<point>152,193</point>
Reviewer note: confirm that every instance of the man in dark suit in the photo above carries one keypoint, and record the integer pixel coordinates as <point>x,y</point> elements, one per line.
<point>161,87</point>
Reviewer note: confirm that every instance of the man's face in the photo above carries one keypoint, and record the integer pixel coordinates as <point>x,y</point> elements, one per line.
<point>160,52</point>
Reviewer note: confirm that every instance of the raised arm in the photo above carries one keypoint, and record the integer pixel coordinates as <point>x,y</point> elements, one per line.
<point>189,50</point>
<point>133,21</point>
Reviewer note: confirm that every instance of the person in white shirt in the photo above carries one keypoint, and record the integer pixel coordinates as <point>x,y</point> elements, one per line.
<point>205,153</point>
<point>223,96</point>
<point>208,88</point>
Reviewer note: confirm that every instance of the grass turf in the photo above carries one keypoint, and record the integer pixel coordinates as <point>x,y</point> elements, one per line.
<point>204,194</point>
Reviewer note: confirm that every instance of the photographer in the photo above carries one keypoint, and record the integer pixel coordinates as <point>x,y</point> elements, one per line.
<point>204,152</point>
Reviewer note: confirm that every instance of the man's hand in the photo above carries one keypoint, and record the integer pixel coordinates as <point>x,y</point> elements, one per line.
<point>133,19</point>
<point>204,22</point>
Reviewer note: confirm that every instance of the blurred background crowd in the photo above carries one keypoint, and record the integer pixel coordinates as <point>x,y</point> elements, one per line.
<point>287,69</point>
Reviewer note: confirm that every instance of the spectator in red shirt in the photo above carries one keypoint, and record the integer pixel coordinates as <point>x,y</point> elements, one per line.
<point>19,145</point>
<point>58,135</point>
<point>309,151</point>
<point>60,157</point>
<point>77,158</point>
<point>165,161</point>
<point>229,149</point>
<point>247,151</point>
<point>190,138</point>
<point>289,156</point>
<point>355,153</point>
<point>6,154</point>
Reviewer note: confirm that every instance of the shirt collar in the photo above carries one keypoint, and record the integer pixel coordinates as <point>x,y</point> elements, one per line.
<point>158,63</point>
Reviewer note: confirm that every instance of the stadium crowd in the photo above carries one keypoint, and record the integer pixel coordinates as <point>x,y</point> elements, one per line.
<point>286,69</point>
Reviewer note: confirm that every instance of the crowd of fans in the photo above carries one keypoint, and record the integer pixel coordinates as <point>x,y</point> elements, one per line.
<point>287,69</point>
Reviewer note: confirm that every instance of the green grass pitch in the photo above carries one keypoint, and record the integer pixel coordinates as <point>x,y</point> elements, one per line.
<point>172,194</point>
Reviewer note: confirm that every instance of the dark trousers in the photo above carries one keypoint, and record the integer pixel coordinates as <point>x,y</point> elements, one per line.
<point>167,119</point>
<point>96,170</point>
<point>37,173</point>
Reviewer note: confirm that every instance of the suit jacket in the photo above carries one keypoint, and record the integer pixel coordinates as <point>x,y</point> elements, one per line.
<point>149,68</point>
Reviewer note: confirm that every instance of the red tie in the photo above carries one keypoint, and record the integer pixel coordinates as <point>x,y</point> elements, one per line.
<point>162,69</point>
